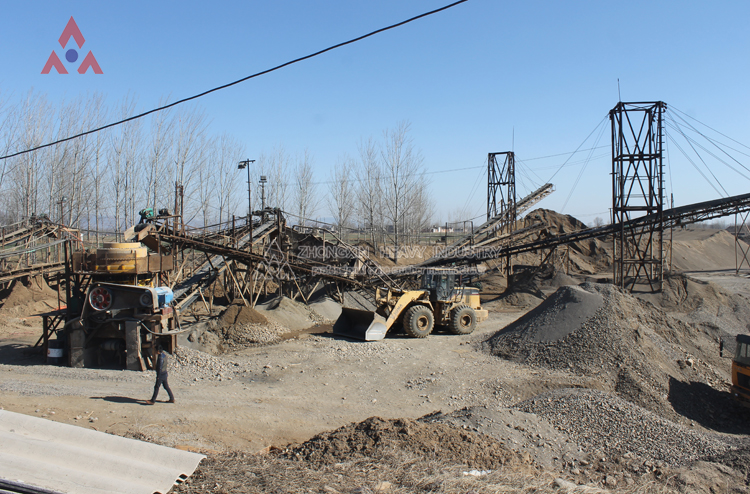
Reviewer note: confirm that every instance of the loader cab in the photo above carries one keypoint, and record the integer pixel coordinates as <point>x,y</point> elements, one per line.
<point>741,369</point>
<point>439,283</point>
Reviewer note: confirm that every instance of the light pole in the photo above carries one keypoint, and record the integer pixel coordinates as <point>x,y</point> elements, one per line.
<point>241,166</point>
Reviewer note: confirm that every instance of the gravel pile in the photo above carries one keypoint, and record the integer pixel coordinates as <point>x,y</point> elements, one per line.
<point>632,347</point>
<point>526,433</point>
<point>238,336</point>
<point>348,349</point>
<point>615,428</point>
<point>193,365</point>
<point>241,327</point>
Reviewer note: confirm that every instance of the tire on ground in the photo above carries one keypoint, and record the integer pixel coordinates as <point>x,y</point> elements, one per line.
<point>418,321</point>
<point>463,320</point>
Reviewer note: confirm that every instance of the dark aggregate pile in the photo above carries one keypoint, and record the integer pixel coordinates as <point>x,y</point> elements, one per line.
<point>632,347</point>
<point>602,422</point>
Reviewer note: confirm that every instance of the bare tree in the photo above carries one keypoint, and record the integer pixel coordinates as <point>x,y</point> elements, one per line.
<point>403,177</point>
<point>28,169</point>
<point>9,126</point>
<point>305,191</point>
<point>341,192</point>
<point>159,185</point>
<point>206,178</point>
<point>278,185</point>
<point>121,163</point>
<point>230,152</point>
<point>369,193</point>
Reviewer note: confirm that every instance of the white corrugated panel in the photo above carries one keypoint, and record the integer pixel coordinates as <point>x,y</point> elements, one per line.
<point>72,459</point>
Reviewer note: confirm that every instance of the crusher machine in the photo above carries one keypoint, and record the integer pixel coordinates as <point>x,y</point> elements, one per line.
<point>118,308</point>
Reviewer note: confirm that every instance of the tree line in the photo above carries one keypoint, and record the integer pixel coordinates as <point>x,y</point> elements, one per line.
<point>100,182</point>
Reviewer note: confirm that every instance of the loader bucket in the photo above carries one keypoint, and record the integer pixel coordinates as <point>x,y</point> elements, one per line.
<point>360,324</point>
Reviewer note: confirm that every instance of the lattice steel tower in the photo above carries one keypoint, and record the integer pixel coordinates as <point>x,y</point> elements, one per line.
<point>501,184</point>
<point>638,190</point>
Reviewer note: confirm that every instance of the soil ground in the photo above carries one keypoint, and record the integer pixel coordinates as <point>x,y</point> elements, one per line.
<point>279,397</point>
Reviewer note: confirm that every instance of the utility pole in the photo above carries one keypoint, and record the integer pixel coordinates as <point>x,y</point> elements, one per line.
<point>262,182</point>
<point>62,210</point>
<point>241,166</point>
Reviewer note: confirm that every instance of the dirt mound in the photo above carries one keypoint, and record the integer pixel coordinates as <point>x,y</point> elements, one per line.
<point>241,326</point>
<point>632,347</point>
<point>557,224</point>
<point>22,294</point>
<point>586,256</point>
<point>377,437</point>
<point>738,459</point>
<point>241,314</point>
<point>524,290</point>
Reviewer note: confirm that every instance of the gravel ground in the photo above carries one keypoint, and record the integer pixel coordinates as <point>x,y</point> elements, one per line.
<point>604,423</point>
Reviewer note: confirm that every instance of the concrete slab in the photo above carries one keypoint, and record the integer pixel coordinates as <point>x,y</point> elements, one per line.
<point>69,459</point>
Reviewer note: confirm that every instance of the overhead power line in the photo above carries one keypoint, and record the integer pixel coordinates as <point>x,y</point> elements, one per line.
<point>257,74</point>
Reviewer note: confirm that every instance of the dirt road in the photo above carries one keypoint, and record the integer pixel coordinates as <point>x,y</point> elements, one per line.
<point>275,394</point>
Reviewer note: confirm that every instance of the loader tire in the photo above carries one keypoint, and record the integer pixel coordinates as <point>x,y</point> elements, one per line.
<point>418,321</point>
<point>463,320</point>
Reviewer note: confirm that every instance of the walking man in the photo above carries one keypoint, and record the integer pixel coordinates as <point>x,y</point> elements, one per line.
<point>162,373</point>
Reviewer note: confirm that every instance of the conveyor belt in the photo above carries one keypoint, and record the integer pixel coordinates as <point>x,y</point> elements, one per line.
<point>683,215</point>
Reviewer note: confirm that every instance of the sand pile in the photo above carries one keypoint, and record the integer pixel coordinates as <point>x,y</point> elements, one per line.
<point>706,304</point>
<point>561,279</point>
<point>630,346</point>
<point>377,437</point>
<point>524,289</point>
<point>34,296</point>
<point>696,249</point>
<point>290,313</point>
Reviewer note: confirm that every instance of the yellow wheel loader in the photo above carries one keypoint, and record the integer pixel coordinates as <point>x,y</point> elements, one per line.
<point>439,301</point>
<point>741,370</point>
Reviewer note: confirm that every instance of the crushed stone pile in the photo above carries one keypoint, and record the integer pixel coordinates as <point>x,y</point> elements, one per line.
<point>241,326</point>
<point>526,433</point>
<point>615,428</point>
<point>632,347</point>
<point>377,437</point>
<point>194,365</point>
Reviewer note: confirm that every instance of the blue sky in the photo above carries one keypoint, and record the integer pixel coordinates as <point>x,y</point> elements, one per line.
<point>485,76</point>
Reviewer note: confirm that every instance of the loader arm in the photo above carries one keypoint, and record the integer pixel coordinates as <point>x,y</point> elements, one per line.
<point>403,303</point>
<point>371,326</point>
